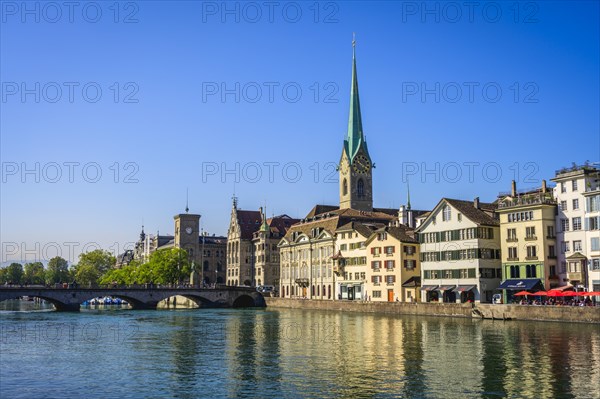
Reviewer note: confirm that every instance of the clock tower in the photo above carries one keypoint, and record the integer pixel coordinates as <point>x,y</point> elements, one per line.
<point>355,167</point>
<point>187,233</point>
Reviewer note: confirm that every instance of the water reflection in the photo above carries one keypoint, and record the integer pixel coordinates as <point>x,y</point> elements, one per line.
<point>295,353</point>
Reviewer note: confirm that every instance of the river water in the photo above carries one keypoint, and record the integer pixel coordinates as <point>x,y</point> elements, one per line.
<point>268,353</point>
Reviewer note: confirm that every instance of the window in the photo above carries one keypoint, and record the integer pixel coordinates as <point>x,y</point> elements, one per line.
<point>512,253</point>
<point>530,271</point>
<point>575,204</point>
<point>574,267</point>
<point>564,224</point>
<point>376,264</point>
<point>550,231</point>
<point>375,251</point>
<point>389,264</point>
<point>345,187</point>
<point>357,276</point>
<point>577,245</point>
<point>576,223</point>
<point>512,234</point>
<point>389,250</point>
<point>360,188</point>
<point>553,270</point>
<point>594,203</point>
<point>376,294</point>
<point>595,244</point>
<point>376,279</point>
<point>390,279</point>
<point>595,264</point>
<point>409,264</point>
<point>563,187</point>
<point>592,223</point>
<point>459,217</point>
<point>563,267</point>
<point>531,251</point>
<point>515,272</point>
<point>563,205</point>
<point>446,213</point>
<point>564,247</point>
<point>574,185</point>
<point>551,251</point>
<point>530,232</point>
<point>343,247</point>
<point>409,249</point>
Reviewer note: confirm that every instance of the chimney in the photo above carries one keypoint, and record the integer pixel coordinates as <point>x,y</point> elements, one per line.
<point>544,187</point>
<point>476,202</point>
<point>513,189</point>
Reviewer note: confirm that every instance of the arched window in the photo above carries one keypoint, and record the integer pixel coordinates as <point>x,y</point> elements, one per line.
<point>360,188</point>
<point>205,265</point>
<point>345,186</point>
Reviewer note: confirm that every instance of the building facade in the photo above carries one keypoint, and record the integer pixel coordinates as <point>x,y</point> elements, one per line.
<point>240,249</point>
<point>528,241</point>
<point>266,252</point>
<point>460,252</point>
<point>577,193</point>
<point>393,272</point>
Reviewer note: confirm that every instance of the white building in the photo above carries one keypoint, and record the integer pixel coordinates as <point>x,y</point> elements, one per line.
<point>460,252</point>
<point>577,192</point>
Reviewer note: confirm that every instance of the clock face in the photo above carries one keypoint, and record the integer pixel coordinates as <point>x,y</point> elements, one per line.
<point>344,167</point>
<point>361,164</point>
<point>189,230</point>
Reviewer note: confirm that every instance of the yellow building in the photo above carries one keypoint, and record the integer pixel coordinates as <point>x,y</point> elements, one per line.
<point>528,240</point>
<point>393,267</point>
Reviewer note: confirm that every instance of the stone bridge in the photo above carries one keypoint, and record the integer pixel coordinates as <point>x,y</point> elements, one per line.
<point>70,299</point>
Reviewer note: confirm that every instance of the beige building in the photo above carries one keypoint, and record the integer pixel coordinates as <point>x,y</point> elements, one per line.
<point>310,265</point>
<point>528,241</point>
<point>240,249</point>
<point>460,252</point>
<point>266,252</point>
<point>393,265</point>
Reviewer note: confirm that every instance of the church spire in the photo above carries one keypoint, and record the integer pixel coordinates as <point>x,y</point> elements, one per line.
<point>407,195</point>
<point>355,130</point>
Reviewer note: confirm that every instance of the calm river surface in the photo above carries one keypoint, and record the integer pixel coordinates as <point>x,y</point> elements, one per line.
<point>273,353</point>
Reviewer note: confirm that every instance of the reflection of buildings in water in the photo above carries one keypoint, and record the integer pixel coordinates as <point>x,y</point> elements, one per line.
<point>453,350</point>
<point>583,361</point>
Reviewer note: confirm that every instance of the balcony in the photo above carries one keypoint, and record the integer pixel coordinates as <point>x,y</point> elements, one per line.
<point>512,239</point>
<point>576,276</point>
<point>531,238</point>
<point>512,259</point>
<point>531,258</point>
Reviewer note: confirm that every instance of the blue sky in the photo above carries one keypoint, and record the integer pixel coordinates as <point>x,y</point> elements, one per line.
<point>458,100</point>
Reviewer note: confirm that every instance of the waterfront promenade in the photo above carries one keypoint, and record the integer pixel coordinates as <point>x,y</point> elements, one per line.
<point>570,314</point>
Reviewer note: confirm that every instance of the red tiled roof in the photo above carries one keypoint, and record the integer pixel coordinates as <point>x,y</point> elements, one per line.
<point>249,222</point>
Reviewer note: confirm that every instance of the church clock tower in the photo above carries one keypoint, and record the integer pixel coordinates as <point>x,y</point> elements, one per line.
<point>355,167</point>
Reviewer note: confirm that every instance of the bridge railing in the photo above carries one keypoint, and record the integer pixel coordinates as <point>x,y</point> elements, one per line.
<point>145,286</point>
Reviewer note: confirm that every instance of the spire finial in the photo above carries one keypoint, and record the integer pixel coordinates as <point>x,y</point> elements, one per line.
<point>407,195</point>
<point>187,209</point>
<point>353,39</point>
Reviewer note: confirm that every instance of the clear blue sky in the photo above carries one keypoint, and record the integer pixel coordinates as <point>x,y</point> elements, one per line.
<point>174,56</point>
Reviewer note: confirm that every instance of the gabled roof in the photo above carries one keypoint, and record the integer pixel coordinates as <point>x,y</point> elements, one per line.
<point>364,230</point>
<point>320,209</point>
<point>481,216</point>
<point>401,233</point>
<point>249,222</point>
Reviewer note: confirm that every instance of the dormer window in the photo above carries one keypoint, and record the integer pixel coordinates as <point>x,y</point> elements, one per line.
<point>446,213</point>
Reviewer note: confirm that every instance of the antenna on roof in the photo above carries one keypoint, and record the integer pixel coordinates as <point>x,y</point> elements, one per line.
<point>186,200</point>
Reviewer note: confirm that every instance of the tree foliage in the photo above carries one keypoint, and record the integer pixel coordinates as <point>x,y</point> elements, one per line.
<point>92,265</point>
<point>165,266</point>
<point>34,273</point>
<point>57,271</point>
<point>13,273</point>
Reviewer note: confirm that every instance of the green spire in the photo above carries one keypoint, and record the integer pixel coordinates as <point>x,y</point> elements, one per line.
<point>264,227</point>
<point>355,130</point>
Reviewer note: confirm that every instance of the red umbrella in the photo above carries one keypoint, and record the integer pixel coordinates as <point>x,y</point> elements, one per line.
<point>555,293</point>
<point>540,293</point>
<point>522,293</point>
<point>570,293</point>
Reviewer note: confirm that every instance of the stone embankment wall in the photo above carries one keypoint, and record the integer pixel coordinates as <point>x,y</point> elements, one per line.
<point>488,311</point>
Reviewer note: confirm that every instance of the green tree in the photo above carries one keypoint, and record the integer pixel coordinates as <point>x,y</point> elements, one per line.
<point>57,271</point>
<point>92,266</point>
<point>14,273</point>
<point>169,266</point>
<point>34,273</point>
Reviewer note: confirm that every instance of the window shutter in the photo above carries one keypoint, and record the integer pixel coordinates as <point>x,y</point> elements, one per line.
<point>373,251</point>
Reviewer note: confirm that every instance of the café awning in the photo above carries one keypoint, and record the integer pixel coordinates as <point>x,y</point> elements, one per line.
<point>520,284</point>
<point>414,281</point>
<point>465,288</point>
<point>429,288</point>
